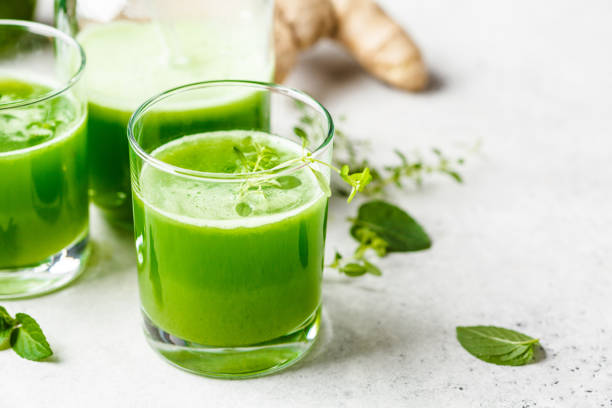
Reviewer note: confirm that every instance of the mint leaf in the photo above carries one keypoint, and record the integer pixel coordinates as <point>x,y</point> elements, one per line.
<point>28,340</point>
<point>497,345</point>
<point>391,224</point>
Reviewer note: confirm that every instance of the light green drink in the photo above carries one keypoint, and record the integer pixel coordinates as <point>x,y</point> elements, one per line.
<point>130,61</point>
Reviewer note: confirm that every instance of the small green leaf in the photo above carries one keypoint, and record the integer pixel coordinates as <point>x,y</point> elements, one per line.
<point>301,133</point>
<point>372,269</point>
<point>288,182</point>
<point>402,157</point>
<point>370,240</point>
<point>456,176</point>
<point>398,230</point>
<point>307,120</point>
<point>241,156</point>
<point>7,323</point>
<point>353,270</point>
<point>336,261</point>
<point>5,337</point>
<point>6,320</point>
<point>497,345</point>
<point>358,181</point>
<point>243,209</point>
<point>28,340</point>
<point>322,180</point>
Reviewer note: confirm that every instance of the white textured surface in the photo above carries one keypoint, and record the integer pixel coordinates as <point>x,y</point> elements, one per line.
<point>525,243</point>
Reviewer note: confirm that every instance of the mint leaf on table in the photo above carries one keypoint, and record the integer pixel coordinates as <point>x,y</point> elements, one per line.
<point>391,224</point>
<point>28,340</point>
<point>24,335</point>
<point>382,228</point>
<point>497,345</point>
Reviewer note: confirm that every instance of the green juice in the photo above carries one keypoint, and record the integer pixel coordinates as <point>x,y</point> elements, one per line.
<point>128,62</point>
<point>211,276</point>
<point>43,175</point>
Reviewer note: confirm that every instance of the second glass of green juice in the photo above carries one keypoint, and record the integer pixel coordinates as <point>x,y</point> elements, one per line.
<point>137,49</point>
<point>230,224</point>
<point>44,219</point>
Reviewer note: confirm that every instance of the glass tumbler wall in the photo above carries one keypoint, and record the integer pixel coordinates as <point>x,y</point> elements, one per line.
<point>230,224</point>
<point>43,165</point>
<point>138,48</point>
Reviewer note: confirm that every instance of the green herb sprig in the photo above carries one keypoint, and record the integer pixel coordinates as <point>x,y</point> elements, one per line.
<point>412,168</point>
<point>380,228</point>
<point>497,345</point>
<point>23,334</point>
<point>254,156</point>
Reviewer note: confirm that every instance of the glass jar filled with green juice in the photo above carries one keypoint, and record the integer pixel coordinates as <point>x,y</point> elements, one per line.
<point>43,165</point>
<point>137,48</point>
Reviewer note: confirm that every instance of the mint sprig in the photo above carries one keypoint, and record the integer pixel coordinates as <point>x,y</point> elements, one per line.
<point>413,167</point>
<point>253,156</point>
<point>497,345</point>
<point>389,223</point>
<point>380,228</point>
<point>24,336</point>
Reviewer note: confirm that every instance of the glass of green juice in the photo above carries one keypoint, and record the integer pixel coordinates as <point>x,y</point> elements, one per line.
<point>230,224</point>
<point>138,48</point>
<point>43,164</point>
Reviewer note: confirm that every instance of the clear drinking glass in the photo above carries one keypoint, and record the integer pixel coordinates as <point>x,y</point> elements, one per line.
<point>230,196</point>
<point>43,164</point>
<point>138,48</point>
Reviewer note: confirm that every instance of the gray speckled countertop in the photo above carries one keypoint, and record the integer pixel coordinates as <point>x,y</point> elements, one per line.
<point>525,243</point>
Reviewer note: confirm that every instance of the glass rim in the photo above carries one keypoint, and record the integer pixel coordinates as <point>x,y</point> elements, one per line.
<point>49,31</point>
<point>283,168</point>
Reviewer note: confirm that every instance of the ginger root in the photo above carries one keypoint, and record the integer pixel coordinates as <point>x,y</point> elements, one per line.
<point>377,42</point>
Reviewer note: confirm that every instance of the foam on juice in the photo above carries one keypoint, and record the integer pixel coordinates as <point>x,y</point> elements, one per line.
<point>193,200</point>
